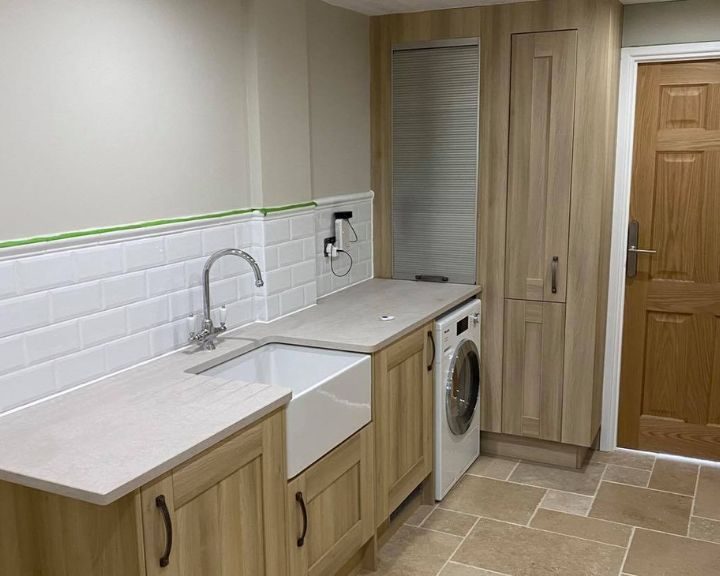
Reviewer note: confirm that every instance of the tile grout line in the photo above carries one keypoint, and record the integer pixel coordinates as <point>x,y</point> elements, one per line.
<point>462,541</point>
<point>651,489</point>
<point>692,510</point>
<point>493,572</point>
<point>627,552</point>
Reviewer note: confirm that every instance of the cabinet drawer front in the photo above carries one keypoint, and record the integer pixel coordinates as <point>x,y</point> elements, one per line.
<point>337,493</point>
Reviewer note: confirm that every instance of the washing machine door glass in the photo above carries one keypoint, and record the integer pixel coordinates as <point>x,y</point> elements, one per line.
<point>462,387</point>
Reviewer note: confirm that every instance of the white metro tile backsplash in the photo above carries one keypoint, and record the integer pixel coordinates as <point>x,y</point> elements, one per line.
<point>69,316</point>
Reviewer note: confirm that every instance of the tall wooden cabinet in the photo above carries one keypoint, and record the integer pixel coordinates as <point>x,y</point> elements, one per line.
<point>542,105</point>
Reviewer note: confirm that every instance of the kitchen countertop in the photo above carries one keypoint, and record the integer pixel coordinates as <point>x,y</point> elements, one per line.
<point>102,441</point>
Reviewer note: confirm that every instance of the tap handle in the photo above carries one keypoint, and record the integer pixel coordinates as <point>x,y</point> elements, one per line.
<point>223,315</point>
<point>191,324</point>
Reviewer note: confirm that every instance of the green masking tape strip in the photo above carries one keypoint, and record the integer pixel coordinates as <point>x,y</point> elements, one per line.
<point>149,224</point>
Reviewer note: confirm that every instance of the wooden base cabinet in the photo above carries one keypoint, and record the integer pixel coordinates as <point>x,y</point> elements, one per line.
<point>403,413</point>
<point>331,508</point>
<point>220,514</point>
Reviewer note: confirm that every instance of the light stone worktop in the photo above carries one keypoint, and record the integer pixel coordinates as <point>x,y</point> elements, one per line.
<point>101,442</point>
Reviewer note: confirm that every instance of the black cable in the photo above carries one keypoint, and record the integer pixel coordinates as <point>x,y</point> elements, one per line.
<point>348,270</point>
<point>353,230</point>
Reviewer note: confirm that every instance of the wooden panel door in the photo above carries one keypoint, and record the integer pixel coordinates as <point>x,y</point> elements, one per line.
<point>670,376</point>
<point>225,510</point>
<point>403,412</point>
<point>542,102</point>
<point>533,369</point>
<point>338,496</point>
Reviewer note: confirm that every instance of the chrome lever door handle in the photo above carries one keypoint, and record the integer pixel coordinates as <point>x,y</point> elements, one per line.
<point>635,250</point>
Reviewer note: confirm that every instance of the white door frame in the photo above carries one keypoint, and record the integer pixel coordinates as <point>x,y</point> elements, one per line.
<point>629,61</point>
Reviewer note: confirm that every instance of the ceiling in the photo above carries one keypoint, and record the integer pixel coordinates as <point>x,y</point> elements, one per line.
<point>376,7</point>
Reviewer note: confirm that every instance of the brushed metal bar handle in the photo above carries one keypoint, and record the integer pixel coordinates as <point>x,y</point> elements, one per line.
<point>162,506</point>
<point>555,264</point>
<point>635,250</point>
<point>301,500</point>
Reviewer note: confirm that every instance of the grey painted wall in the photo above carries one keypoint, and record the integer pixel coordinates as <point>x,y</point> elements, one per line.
<point>672,22</point>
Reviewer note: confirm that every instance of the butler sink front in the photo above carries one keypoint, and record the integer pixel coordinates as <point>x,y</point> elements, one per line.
<point>331,394</point>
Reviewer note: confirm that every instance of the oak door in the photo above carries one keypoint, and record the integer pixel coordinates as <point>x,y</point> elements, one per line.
<point>533,369</point>
<point>542,104</point>
<point>670,375</point>
<point>223,513</point>
<point>331,508</point>
<point>403,413</point>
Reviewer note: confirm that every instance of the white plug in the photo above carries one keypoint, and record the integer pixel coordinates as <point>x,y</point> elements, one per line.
<point>340,234</point>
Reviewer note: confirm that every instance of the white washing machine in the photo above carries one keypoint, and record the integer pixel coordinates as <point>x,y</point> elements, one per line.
<point>457,395</point>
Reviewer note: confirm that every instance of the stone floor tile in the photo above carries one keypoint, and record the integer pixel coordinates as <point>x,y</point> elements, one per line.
<point>656,554</point>
<point>582,527</point>
<point>625,475</point>
<point>674,476</point>
<point>567,502</point>
<point>705,529</point>
<point>581,481</point>
<point>451,522</point>
<point>492,467</point>
<point>454,569</point>
<point>415,552</point>
<point>494,499</point>
<point>521,551</point>
<point>642,507</point>
<point>707,499</point>
<point>624,458</point>
<point>419,515</point>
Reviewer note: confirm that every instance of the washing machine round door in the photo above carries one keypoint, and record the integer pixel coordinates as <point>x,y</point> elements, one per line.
<point>462,387</point>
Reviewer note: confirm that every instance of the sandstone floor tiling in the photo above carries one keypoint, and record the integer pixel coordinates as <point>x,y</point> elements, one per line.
<point>494,499</point>
<point>707,499</point>
<point>492,467</point>
<point>625,475</point>
<point>415,552</point>
<point>419,515</point>
<point>455,569</point>
<point>451,522</point>
<point>567,502</point>
<point>582,527</point>
<point>705,529</point>
<point>642,507</point>
<point>522,551</point>
<point>674,476</point>
<point>657,554</point>
<point>624,458</point>
<point>583,481</point>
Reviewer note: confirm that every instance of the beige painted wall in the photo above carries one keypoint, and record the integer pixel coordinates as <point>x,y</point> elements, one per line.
<point>118,111</point>
<point>339,61</point>
<point>672,22</point>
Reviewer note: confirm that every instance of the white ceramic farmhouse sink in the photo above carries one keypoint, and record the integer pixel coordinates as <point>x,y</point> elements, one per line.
<point>331,394</point>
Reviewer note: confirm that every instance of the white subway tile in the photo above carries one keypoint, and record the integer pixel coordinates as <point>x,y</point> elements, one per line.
<point>166,279</point>
<point>278,280</point>
<point>79,368</point>
<point>243,235</point>
<point>25,386</point>
<point>219,238</point>
<point>52,342</point>
<point>276,231</point>
<point>98,262</point>
<point>12,354</point>
<point>324,285</point>
<point>75,301</point>
<point>124,290</point>
<point>292,300</point>
<point>311,293</point>
<point>246,286</point>
<point>169,337</point>
<point>240,313</point>
<point>24,313</point>
<point>361,212</point>
<point>269,258</point>
<point>303,273</point>
<point>257,232</point>
<point>185,246</point>
<point>103,327</point>
<point>272,308</point>
<point>339,282</point>
<point>302,226</point>
<point>185,303</point>
<point>309,250</point>
<point>194,272</point>
<point>142,254</point>
<point>223,291</point>
<point>127,352</point>
<point>290,253</point>
<point>233,266</point>
<point>8,282</point>
<point>359,272</point>
<point>148,314</point>
<point>37,273</point>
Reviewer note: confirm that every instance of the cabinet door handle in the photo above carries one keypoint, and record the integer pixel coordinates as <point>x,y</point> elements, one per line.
<point>555,263</point>
<point>300,500</point>
<point>432,360</point>
<point>162,506</point>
